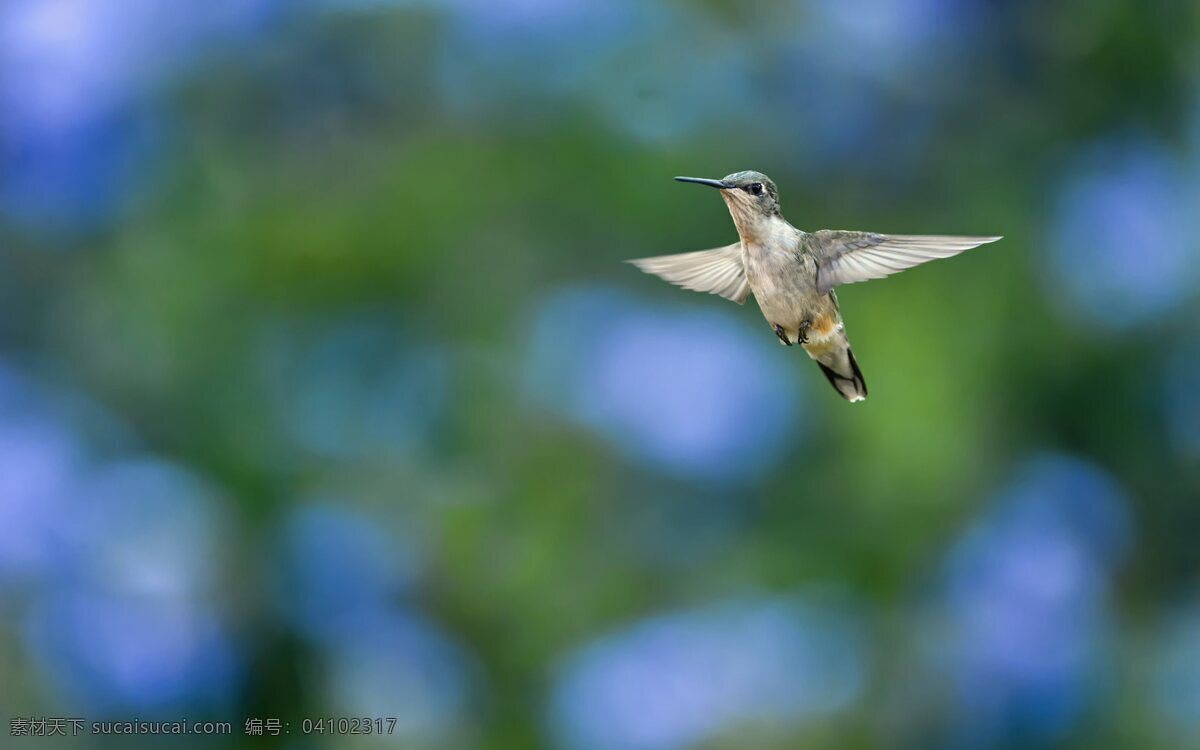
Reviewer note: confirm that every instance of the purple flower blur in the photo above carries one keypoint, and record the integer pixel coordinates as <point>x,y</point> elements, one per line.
<point>38,463</point>
<point>400,665</point>
<point>149,528</point>
<point>131,624</point>
<point>104,652</point>
<point>75,76</point>
<point>889,38</point>
<point>342,587</point>
<point>1026,601</point>
<point>1121,254</point>
<point>339,569</point>
<point>675,680</point>
<point>860,61</point>
<point>689,392</point>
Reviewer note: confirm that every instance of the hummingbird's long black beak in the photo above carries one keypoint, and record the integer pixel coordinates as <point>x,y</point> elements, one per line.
<point>720,184</point>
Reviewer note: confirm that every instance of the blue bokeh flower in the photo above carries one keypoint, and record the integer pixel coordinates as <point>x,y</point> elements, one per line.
<point>889,39</point>
<point>1122,244</point>
<point>149,528</point>
<point>403,666</point>
<point>672,681</point>
<point>131,623</point>
<point>1025,604</point>
<point>339,568</point>
<point>76,79</point>
<point>39,460</point>
<point>106,652</point>
<point>346,586</point>
<point>688,391</point>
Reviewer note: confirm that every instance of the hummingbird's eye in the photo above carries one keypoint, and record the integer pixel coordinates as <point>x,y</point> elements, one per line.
<point>756,188</point>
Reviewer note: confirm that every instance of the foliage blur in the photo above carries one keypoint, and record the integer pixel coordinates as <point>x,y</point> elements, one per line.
<point>324,392</point>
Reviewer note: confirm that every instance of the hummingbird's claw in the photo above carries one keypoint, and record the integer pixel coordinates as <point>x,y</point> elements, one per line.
<point>802,332</point>
<point>782,334</point>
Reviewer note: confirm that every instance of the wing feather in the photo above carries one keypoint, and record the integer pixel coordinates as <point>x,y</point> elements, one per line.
<point>717,271</point>
<point>849,257</point>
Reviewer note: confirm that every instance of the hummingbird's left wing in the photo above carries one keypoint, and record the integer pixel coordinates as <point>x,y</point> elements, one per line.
<point>847,257</point>
<point>718,271</point>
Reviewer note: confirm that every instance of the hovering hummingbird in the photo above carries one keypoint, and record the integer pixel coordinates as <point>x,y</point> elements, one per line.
<point>792,273</point>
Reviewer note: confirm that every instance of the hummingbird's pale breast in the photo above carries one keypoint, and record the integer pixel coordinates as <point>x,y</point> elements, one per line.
<point>783,278</point>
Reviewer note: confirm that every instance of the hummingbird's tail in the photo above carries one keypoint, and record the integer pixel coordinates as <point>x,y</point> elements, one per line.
<point>837,362</point>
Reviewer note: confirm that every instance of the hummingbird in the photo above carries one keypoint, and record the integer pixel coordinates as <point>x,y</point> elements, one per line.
<point>792,273</point>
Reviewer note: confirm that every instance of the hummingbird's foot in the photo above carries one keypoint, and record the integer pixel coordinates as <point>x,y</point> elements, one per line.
<point>802,332</point>
<point>782,334</point>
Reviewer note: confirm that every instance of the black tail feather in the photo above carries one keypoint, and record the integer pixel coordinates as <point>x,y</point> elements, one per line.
<point>851,386</point>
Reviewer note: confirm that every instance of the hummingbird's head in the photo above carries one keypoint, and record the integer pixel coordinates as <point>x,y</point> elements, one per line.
<point>751,197</point>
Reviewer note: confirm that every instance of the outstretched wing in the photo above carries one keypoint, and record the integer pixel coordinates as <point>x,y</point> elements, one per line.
<point>847,257</point>
<point>718,271</point>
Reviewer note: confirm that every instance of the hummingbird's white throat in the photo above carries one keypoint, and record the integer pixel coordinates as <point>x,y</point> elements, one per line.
<point>753,224</point>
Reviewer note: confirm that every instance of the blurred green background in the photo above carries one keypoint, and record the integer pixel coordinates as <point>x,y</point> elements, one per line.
<point>324,392</point>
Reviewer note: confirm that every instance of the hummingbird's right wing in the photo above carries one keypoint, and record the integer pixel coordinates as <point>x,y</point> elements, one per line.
<point>718,271</point>
<point>847,257</point>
